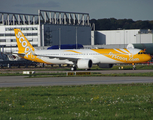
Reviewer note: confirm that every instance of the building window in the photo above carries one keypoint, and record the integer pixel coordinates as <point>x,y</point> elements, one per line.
<point>22,29</point>
<point>13,40</point>
<point>35,40</point>
<point>34,45</point>
<point>30,34</point>
<point>34,34</point>
<point>2,34</point>
<point>2,45</point>
<point>2,40</point>
<point>30,40</point>
<point>34,28</point>
<point>9,34</point>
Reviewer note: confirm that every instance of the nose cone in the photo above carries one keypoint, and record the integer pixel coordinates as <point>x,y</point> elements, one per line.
<point>148,58</point>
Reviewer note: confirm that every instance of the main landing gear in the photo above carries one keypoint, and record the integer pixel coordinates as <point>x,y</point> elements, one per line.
<point>73,68</point>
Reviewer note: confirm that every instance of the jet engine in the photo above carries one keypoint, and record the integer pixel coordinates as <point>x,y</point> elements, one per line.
<point>84,63</point>
<point>102,65</point>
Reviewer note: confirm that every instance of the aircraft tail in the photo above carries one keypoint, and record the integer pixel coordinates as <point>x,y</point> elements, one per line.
<point>24,46</point>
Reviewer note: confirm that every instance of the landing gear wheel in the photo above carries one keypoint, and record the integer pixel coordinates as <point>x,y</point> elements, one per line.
<point>73,68</point>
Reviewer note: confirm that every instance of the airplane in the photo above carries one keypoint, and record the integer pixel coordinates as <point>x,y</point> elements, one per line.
<point>79,58</point>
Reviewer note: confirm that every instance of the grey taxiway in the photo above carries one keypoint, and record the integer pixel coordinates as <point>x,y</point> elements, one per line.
<point>22,81</point>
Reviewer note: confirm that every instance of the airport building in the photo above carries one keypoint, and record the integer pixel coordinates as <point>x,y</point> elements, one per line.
<point>49,28</point>
<point>123,36</point>
<point>45,29</point>
<point>120,38</point>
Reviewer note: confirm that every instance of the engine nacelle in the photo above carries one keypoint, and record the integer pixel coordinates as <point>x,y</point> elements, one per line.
<point>84,63</point>
<point>102,65</point>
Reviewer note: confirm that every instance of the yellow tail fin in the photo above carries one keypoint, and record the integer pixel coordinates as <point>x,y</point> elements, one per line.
<point>24,45</point>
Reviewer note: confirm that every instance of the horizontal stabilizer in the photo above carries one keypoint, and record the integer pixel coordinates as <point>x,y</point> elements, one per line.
<point>19,53</point>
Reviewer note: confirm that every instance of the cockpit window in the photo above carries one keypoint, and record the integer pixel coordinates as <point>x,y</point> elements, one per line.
<point>145,53</point>
<point>142,53</point>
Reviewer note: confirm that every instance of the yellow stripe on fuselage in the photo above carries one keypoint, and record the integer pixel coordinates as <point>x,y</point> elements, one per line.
<point>121,57</point>
<point>73,51</point>
<point>121,51</point>
<point>126,50</point>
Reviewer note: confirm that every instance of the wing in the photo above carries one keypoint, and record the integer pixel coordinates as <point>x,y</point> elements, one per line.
<point>73,59</point>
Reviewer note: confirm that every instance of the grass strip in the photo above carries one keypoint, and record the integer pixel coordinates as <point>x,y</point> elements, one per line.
<point>95,67</point>
<point>94,74</point>
<point>87,102</point>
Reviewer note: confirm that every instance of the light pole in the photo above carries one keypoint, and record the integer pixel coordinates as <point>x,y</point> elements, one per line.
<point>59,38</point>
<point>76,38</point>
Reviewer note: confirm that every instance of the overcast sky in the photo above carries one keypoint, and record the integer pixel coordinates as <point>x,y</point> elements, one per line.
<point>97,9</point>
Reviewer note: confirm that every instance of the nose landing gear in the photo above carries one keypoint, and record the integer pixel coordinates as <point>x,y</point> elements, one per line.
<point>134,68</point>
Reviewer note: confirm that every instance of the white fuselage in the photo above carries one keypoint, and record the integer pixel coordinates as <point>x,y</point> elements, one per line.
<point>62,56</point>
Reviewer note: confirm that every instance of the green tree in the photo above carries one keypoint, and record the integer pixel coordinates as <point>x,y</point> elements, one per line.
<point>114,24</point>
